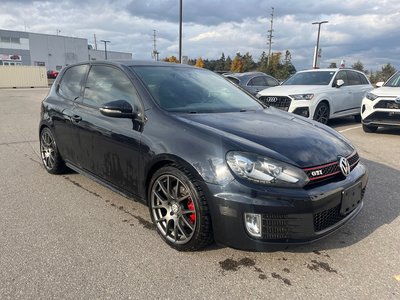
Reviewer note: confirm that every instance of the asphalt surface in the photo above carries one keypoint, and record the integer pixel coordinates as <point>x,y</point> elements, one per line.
<point>67,237</point>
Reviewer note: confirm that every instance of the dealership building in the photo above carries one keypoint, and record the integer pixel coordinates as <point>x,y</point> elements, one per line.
<point>50,51</point>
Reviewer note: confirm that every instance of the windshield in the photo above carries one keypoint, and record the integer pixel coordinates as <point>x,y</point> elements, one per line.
<point>394,81</point>
<point>310,78</point>
<point>191,90</point>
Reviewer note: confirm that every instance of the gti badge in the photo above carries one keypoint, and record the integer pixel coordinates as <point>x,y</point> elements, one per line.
<point>344,166</point>
<point>397,100</point>
<point>316,173</point>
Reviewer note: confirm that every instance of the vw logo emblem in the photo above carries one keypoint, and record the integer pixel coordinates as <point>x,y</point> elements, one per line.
<point>344,166</point>
<point>397,100</point>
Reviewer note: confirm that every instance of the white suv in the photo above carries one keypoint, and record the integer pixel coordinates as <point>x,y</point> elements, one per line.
<point>381,107</point>
<point>320,94</point>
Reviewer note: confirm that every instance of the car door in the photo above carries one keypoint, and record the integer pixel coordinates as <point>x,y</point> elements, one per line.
<point>359,86</point>
<point>69,91</point>
<point>342,97</point>
<point>110,145</point>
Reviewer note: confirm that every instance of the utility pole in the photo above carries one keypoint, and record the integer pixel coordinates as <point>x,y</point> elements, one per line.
<point>155,53</point>
<point>180,31</point>
<point>105,47</point>
<point>317,50</point>
<point>270,36</point>
<point>95,42</point>
<point>57,30</point>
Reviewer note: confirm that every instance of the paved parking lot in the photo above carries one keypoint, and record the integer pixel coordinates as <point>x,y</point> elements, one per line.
<point>69,237</point>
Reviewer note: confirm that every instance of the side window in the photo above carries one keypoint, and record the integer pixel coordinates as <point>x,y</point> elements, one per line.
<point>363,79</point>
<point>353,78</point>
<point>71,83</point>
<point>257,81</point>
<point>233,79</point>
<point>105,84</point>
<point>342,75</point>
<point>271,81</point>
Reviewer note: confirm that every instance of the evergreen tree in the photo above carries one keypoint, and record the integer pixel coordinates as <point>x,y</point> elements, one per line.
<point>332,65</point>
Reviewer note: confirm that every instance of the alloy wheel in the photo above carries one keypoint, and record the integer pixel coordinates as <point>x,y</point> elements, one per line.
<point>173,209</point>
<point>48,149</point>
<point>322,114</point>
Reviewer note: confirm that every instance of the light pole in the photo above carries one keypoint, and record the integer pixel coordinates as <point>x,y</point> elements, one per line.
<point>180,31</point>
<point>316,51</point>
<point>105,47</point>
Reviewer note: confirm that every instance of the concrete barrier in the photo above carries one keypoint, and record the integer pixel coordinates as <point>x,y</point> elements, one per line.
<point>23,77</point>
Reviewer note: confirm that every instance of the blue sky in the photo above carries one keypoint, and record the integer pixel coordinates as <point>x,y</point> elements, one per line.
<point>357,30</point>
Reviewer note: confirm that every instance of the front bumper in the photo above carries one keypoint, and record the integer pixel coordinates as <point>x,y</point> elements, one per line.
<point>288,215</point>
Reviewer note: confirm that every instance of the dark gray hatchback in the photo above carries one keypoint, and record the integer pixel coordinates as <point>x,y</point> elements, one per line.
<point>210,161</point>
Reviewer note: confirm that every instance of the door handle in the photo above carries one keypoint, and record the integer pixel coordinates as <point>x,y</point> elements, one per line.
<point>76,118</point>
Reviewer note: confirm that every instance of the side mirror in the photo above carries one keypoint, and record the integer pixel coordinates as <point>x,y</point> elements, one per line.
<point>339,83</point>
<point>118,109</point>
<point>379,84</point>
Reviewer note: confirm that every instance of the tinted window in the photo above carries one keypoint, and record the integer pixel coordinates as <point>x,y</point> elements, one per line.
<point>310,78</point>
<point>271,81</point>
<point>342,75</point>
<point>71,82</point>
<point>257,81</point>
<point>191,90</point>
<point>363,79</point>
<point>394,80</point>
<point>353,78</point>
<point>105,84</point>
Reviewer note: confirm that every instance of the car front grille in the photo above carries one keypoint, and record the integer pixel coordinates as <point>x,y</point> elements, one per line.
<point>276,101</point>
<point>330,170</point>
<point>275,226</point>
<point>388,104</point>
<point>329,217</point>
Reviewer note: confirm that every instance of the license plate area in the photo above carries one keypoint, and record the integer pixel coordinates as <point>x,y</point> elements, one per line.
<point>351,197</point>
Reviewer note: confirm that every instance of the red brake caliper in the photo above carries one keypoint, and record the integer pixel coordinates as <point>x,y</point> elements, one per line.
<point>192,217</point>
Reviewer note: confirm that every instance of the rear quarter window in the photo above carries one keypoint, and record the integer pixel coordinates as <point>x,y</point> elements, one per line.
<point>70,86</point>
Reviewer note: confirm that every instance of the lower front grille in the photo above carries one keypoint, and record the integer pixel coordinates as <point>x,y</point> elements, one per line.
<point>277,101</point>
<point>329,217</point>
<point>275,226</point>
<point>390,104</point>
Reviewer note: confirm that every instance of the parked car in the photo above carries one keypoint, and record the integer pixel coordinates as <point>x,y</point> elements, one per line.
<point>253,82</point>
<point>320,94</point>
<point>209,160</point>
<point>52,74</point>
<point>381,107</point>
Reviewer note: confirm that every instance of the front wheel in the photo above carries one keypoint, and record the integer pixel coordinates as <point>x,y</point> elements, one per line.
<point>179,210</point>
<point>321,113</point>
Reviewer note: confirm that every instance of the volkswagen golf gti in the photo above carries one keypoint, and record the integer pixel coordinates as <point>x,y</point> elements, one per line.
<point>210,161</point>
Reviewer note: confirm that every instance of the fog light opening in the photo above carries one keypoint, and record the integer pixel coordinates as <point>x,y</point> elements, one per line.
<point>253,224</point>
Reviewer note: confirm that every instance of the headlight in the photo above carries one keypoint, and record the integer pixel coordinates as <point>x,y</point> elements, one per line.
<point>258,95</point>
<point>371,96</point>
<point>265,170</point>
<point>302,96</point>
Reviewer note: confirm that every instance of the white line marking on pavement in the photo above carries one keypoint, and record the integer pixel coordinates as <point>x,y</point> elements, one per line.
<point>351,128</point>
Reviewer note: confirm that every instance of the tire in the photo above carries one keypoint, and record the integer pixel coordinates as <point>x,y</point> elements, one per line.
<point>357,118</point>
<point>369,128</point>
<point>321,113</point>
<point>51,158</point>
<point>179,210</point>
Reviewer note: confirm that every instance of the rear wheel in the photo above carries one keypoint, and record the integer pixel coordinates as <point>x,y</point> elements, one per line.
<point>321,113</point>
<point>369,128</point>
<point>51,158</point>
<point>179,209</point>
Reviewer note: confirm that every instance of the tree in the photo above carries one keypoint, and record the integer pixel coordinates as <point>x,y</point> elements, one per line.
<point>199,63</point>
<point>263,62</point>
<point>248,63</point>
<point>384,74</point>
<point>237,64</point>
<point>358,65</point>
<point>171,59</point>
<point>332,65</point>
<point>228,62</point>
<point>220,64</point>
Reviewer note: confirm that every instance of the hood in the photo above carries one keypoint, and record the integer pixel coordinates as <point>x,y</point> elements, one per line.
<point>294,139</point>
<point>284,90</point>
<point>387,91</point>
